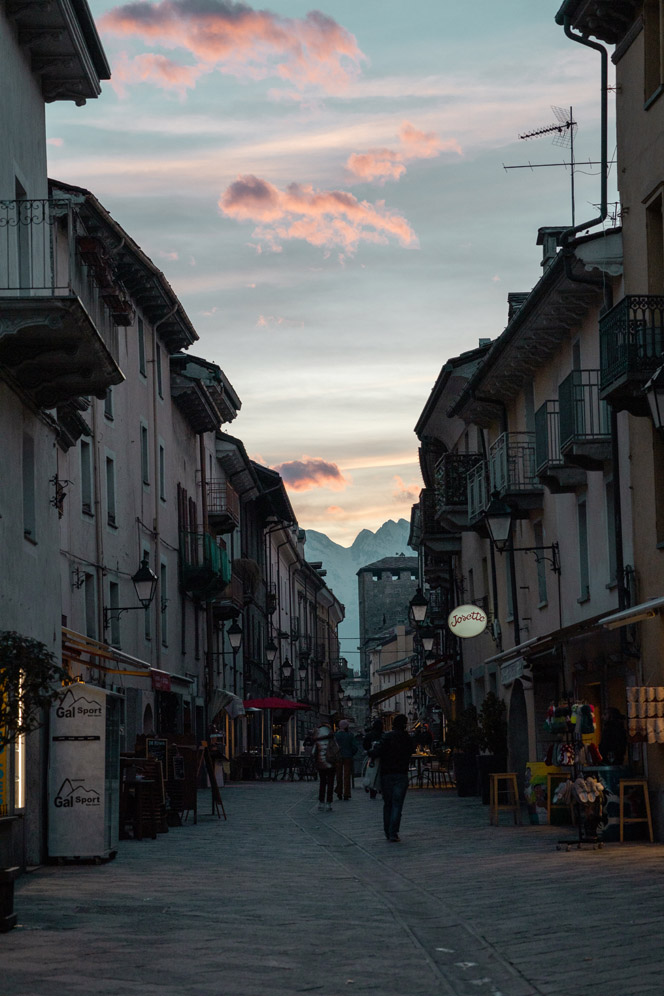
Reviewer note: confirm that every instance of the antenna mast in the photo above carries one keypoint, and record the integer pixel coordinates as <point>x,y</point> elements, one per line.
<point>563,133</point>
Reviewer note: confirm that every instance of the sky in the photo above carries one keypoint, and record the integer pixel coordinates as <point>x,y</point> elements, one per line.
<point>324,189</point>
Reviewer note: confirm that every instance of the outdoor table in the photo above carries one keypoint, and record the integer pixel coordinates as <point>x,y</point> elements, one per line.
<point>420,760</point>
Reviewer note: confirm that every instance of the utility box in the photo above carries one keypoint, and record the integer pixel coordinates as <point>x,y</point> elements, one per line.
<point>84,774</point>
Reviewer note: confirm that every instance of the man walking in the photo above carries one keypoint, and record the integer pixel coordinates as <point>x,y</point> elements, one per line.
<point>394,750</point>
<point>348,749</point>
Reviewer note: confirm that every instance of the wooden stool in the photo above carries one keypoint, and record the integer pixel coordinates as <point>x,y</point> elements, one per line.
<point>637,783</point>
<point>506,783</point>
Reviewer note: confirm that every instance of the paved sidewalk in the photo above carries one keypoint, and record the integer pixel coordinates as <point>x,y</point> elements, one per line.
<point>282,900</point>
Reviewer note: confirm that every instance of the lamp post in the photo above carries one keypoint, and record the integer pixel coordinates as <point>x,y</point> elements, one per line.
<point>145,584</point>
<point>418,607</point>
<point>235,640</point>
<point>271,650</point>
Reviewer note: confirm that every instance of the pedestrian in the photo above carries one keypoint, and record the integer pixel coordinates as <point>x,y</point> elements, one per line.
<point>347,750</point>
<point>325,753</point>
<point>394,750</point>
<point>372,737</point>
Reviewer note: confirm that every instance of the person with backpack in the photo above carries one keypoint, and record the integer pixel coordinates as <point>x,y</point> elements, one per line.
<point>325,753</point>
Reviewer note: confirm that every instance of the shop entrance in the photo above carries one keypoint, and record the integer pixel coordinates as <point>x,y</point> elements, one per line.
<point>518,733</point>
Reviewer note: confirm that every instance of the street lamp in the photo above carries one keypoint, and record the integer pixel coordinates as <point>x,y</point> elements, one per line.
<point>286,668</point>
<point>349,701</point>
<point>235,640</point>
<point>145,584</point>
<point>418,607</point>
<point>319,682</point>
<point>271,651</point>
<point>498,519</point>
<point>427,637</point>
<point>654,392</point>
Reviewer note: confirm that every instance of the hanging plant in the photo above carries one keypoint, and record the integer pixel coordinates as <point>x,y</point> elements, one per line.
<point>31,677</point>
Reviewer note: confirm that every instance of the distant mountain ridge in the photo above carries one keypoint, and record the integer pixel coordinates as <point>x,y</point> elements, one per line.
<point>342,564</point>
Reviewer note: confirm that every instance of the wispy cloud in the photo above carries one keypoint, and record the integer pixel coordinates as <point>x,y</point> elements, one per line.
<point>278,321</point>
<point>312,472</point>
<point>405,492</point>
<point>390,164</point>
<point>324,218</point>
<point>309,53</point>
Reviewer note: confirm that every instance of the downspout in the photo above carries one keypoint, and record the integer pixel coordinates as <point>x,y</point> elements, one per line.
<point>563,18</point>
<point>209,627</point>
<point>498,636</point>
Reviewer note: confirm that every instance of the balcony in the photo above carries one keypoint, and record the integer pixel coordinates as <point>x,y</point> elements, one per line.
<point>631,350</point>
<point>552,470</point>
<point>451,491</point>
<point>223,507</point>
<point>512,471</point>
<point>229,603</point>
<point>436,537</point>
<point>585,424</point>
<point>204,566</point>
<point>57,336</point>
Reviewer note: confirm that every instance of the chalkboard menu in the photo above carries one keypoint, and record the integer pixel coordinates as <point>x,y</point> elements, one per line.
<point>178,766</point>
<point>158,749</point>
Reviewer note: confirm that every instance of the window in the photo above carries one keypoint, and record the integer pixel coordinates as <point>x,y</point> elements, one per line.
<point>542,594</point>
<point>652,34</point>
<point>162,472</point>
<point>90,603</point>
<point>86,478</point>
<point>485,586</point>
<point>29,514</point>
<point>160,383</point>
<point>147,619</point>
<point>110,491</point>
<point>145,455</point>
<point>108,403</point>
<point>113,605</point>
<point>375,576</point>
<point>395,575</point>
<point>584,573</point>
<point>164,604</point>
<point>141,348</point>
<point>655,245</point>
<point>471,585</point>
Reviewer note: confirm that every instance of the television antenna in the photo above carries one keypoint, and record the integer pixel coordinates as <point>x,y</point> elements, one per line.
<point>563,132</point>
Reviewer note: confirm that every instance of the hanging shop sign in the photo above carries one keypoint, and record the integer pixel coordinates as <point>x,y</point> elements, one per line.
<point>467,620</point>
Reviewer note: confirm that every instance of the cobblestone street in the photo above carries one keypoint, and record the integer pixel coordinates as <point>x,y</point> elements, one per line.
<point>281,899</point>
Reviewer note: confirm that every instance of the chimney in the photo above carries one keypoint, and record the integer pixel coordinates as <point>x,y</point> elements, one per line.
<point>549,238</point>
<point>515,301</point>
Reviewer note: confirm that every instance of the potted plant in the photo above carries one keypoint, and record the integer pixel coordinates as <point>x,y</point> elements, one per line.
<point>30,679</point>
<point>493,726</point>
<point>464,736</point>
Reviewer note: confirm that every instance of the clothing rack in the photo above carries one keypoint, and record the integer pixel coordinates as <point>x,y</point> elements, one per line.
<point>587,811</point>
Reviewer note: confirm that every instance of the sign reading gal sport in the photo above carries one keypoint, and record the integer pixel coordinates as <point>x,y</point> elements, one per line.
<point>467,620</point>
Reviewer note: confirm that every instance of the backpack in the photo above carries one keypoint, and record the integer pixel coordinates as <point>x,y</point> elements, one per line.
<point>332,754</point>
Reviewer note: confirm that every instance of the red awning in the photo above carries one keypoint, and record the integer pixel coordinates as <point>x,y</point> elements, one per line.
<point>273,703</point>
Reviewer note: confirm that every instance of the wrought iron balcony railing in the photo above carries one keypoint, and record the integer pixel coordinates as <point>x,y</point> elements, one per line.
<point>223,506</point>
<point>451,480</point>
<point>204,567</point>
<point>512,463</point>
<point>44,254</point>
<point>584,417</point>
<point>631,339</point>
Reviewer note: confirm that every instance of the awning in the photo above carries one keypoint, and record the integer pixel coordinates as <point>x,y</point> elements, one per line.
<point>637,613</point>
<point>541,644</point>
<point>273,703</point>
<point>221,699</point>
<point>431,673</point>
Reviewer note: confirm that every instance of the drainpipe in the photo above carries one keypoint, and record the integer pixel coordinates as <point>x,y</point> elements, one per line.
<point>209,627</point>
<point>498,636</point>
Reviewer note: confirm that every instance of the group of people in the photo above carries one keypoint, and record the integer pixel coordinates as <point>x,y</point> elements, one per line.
<point>333,756</point>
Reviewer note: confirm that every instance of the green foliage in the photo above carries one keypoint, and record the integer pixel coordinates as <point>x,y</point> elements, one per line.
<point>31,677</point>
<point>493,724</point>
<point>464,733</point>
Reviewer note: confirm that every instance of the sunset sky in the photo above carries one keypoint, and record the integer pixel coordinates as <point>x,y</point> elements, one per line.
<point>324,189</point>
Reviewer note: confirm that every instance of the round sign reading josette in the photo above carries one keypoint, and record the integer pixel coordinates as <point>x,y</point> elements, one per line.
<point>467,620</point>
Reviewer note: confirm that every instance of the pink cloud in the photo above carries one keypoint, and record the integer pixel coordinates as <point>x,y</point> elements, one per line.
<point>334,510</point>
<point>389,164</point>
<point>405,492</point>
<point>324,218</point>
<point>312,472</point>
<point>310,52</point>
<point>152,68</point>
<point>55,141</point>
